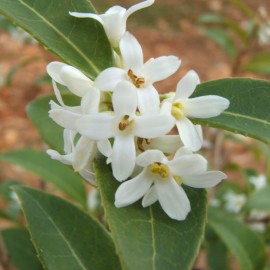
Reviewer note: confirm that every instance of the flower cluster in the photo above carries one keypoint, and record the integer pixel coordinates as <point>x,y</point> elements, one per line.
<point>122,116</point>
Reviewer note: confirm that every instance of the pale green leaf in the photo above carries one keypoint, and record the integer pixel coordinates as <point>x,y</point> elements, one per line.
<point>49,170</point>
<point>79,42</point>
<point>259,200</point>
<point>248,111</point>
<point>244,243</point>
<point>259,63</point>
<point>20,249</point>
<point>146,238</point>
<point>64,236</point>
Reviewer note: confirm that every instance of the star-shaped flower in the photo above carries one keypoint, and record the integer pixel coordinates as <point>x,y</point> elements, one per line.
<point>161,180</point>
<point>114,20</point>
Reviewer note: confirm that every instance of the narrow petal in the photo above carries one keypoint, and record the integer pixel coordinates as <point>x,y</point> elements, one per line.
<point>204,180</point>
<point>109,78</point>
<point>189,134</point>
<point>68,136</point>
<point>54,70</point>
<point>150,156</point>
<point>87,15</point>
<point>124,99</point>
<point>189,164</point>
<point>132,190</point>
<point>187,85</point>
<point>88,175</point>
<point>65,159</point>
<point>58,94</point>
<point>152,126</point>
<point>64,118</point>
<point>138,6</point>
<point>123,157</point>
<point>160,68</point>
<point>97,126</point>
<point>104,147</point>
<point>150,197</point>
<point>131,52</point>
<point>172,199</point>
<point>90,101</point>
<point>148,100</point>
<point>166,143</point>
<point>75,80</point>
<point>205,106</point>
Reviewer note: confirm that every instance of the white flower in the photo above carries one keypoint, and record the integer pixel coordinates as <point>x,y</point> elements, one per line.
<point>259,181</point>
<point>123,125</point>
<point>114,20</point>
<point>141,75</point>
<point>182,107</point>
<point>161,180</point>
<point>234,202</point>
<point>264,34</point>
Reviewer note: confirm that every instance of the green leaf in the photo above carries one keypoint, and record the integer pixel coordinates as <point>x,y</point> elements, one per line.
<point>247,113</point>
<point>223,39</point>
<point>244,243</point>
<point>64,236</point>
<point>259,63</point>
<point>50,171</point>
<point>80,42</point>
<point>259,200</point>
<point>146,238</point>
<point>20,249</point>
<point>38,112</point>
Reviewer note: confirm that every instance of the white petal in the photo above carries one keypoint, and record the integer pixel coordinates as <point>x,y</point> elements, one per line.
<point>187,85</point>
<point>150,156</point>
<point>152,126</point>
<point>189,134</point>
<point>172,199</point>
<point>75,80</point>
<point>104,147</point>
<point>88,175</point>
<point>65,159</point>
<point>109,78</point>
<point>166,143</point>
<point>124,99</point>
<point>132,190</point>
<point>123,157</point>
<point>68,136</point>
<point>205,106</point>
<point>183,151</point>
<point>188,164</point>
<point>64,118</point>
<point>86,15</point>
<point>150,197</point>
<point>96,126</point>
<point>138,6</point>
<point>90,101</point>
<point>131,52</point>
<point>148,100</point>
<point>84,149</point>
<point>58,94</point>
<point>204,180</point>
<point>54,70</point>
<point>161,68</point>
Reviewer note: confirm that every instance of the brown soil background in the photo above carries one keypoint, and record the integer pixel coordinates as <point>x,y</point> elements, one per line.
<point>168,28</point>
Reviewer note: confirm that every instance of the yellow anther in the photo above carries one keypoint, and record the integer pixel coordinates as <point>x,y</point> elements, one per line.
<point>137,81</point>
<point>125,122</point>
<point>178,180</point>
<point>162,170</point>
<point>177,110</point>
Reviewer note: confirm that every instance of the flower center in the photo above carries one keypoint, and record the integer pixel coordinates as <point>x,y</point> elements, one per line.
<point>158,168</point>
<point>137,81</point>
<point>126,122</point>
<point>177,110</point>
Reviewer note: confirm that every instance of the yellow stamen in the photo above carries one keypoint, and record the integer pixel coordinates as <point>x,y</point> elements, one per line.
<point>177,110</point>
<point>125,122</point>
<point>137,81</point>
<point>162,170</point>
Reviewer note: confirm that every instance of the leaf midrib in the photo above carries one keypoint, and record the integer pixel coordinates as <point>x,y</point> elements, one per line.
<point>59,232</point>
<point>153,238</point>
<point>95,68</point>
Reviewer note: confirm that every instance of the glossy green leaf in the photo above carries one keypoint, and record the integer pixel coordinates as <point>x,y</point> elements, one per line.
<point>248,111</point>
<point>49,170</point>
<point>259,63</point>
<point>80,42</point>
<point>20,249</point>
<point>244,243</point>
<point>223,39</point>
<point>38,112</point>
<point>64,236</point>
<point>146,238</point>
<point>259,200</point>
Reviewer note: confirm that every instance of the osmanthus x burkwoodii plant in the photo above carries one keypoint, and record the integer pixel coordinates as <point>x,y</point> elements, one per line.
<point>109,123</point>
